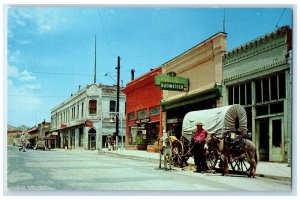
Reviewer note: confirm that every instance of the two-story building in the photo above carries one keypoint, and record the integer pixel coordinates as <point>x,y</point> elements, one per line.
<point>84,120</point>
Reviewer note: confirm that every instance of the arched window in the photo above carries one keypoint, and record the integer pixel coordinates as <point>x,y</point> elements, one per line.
<point>93,106</point>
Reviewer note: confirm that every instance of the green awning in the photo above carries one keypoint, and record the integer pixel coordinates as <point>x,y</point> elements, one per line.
<point>194,98</point>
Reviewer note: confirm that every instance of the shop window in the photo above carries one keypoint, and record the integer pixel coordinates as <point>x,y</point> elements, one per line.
<point>282,86</point>
<point>131,116</point>
<point>242,96</point>
<point>276,108</point>
<point>230,95</point>
<point>258,91</point>
<point>93,107</point>
<point>262,110</point>
<point>142,114</point>
<point>274,88</point>
<point>266,94</point>
<point>137,136</point>
<point>249,93</point>
<point>154,111</point>
<point>112,106</point>
<point>236,92</point>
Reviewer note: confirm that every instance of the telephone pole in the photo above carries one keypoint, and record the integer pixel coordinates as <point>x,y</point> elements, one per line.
<point>118,99</point>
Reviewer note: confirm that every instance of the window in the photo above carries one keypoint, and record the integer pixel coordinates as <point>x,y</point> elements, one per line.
<point>82,105</point>
<point>270,88</point>
<point>142,114</point>
<point>281,86</point>
<point>78,111</point>
<point>112,106</point>
<point>131,116</point>
<point>240,94</point>
<point>93,107</point>
<point>258,91</point>
<point>154,111</point>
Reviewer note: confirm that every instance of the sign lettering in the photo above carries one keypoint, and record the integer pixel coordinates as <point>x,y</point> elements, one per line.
<point>171,86</point>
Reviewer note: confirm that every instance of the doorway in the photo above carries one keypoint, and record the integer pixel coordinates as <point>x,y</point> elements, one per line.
<point>276,139</point>
<point>92,139</point>
<point>270,136</point>
<point>263,139</point>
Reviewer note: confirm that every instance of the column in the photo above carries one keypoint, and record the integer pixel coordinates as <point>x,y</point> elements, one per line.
<point>69,138</point>
<point>76,138</point>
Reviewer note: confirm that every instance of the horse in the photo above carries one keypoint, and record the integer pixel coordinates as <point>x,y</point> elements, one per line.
<point>247,151</point>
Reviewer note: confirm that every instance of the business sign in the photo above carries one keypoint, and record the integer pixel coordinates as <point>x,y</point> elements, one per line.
<point>171,82</point>
<point>171,86</point>
<point>142,121</point>
<point>89,123</point>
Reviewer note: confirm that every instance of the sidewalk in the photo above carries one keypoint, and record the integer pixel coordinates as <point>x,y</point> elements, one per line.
<point>278,171</point>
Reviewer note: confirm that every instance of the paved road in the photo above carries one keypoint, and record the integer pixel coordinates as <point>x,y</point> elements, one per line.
<point>59,170</point>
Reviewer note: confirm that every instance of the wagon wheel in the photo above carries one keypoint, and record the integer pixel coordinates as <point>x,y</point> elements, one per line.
<point>239,164</point>
<point>212,159</point>
<point>177,152</point>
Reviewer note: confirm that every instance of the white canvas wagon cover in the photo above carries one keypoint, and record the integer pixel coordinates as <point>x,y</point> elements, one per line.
<point>217,120</point>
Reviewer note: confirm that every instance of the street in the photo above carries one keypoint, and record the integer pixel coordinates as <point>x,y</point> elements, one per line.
<point>60,170</point>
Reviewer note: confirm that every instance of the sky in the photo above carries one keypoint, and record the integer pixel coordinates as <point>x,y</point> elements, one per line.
<point>51,50</point>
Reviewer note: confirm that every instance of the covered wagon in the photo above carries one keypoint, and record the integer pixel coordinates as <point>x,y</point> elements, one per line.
<point>217,120</point>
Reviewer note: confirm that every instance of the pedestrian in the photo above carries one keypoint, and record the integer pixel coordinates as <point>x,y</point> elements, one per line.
<point>109,142</point>
<point>23,142</point>
<point>198,141</point>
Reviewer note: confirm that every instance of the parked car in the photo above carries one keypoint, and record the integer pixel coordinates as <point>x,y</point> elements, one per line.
<point>40,145</point>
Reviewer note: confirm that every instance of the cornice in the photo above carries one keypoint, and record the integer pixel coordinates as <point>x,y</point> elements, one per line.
<point>263,40</point>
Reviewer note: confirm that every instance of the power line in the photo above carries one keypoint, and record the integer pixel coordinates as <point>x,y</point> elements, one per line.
<point>280,18</point>
<point>67,74</point>
<point>106,37</point>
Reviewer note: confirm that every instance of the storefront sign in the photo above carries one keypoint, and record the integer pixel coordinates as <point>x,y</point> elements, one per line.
<point>89,123</point>
<point>171,86</point>
<point>142,121</point>
<point>172,82</point>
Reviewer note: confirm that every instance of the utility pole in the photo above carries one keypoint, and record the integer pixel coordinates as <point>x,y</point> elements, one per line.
<point>118,100</point>
<point>95,63</point>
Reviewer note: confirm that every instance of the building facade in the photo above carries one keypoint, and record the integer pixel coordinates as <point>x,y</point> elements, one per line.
<point>192,81</point>
<point>258,76</point>
<point>84,120</point>
<point>143,119</point>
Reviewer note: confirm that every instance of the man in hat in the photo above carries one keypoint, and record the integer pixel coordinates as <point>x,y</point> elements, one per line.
<point>198,140</point>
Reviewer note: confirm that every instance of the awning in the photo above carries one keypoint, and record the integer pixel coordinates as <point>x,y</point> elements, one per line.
<point>194,98</point>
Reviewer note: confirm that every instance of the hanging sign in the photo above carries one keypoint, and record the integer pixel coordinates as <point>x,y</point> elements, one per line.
<point>171,82</point>
<point>89,123</point>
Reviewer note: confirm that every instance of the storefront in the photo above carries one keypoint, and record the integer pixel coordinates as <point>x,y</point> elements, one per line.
<point>257,75</point>
<point>143,116</point>
<point>192,81</point>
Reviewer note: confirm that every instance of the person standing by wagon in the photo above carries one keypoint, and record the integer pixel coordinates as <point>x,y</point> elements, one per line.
<point>198,140</point>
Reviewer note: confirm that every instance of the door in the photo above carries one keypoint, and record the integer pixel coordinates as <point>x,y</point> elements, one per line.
<point>276,140</point>
<point>262,126</point>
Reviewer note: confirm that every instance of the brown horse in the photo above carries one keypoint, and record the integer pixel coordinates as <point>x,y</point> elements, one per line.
<point>247,151</point>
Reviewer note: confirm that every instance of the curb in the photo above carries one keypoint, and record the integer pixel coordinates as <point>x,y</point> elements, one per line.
<point>279,178</point>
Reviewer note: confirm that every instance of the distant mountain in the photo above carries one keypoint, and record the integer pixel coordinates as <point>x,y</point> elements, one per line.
<point>9,127</point>
<point>22,128</point>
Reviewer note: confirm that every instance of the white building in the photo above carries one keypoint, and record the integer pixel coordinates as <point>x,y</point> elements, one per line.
<point>84,120</point>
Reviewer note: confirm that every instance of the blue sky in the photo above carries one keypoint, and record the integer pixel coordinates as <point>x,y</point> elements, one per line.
<point>50,50</point>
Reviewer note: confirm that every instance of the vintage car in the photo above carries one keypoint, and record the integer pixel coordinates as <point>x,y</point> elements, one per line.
<point>40,145</point>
